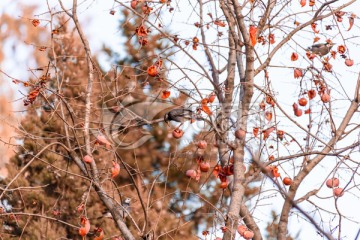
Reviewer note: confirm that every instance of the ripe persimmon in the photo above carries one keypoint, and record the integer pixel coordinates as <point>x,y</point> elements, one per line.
<point>302,101</point>
<point>287,181</point>
<point>177,133</point>
<point>332,182</point>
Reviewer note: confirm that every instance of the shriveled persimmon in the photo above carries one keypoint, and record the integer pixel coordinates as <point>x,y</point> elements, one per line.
<point>115,170</point>
<point>255,131</point>
<point>341,49</point>
<point>280,134</point>
<point>311,94</point>
<point>252,32</point>
<point>202,144</point>
<point>297,73</point>
<point>224,185</point>
<point>87,159</point>
<point>85,226</point>
<point>35,22</point>
<point>133,4</point>
<point>165,94</point>
<point>241,229</point>
<point>294,56</point>
<point>191,173</point>
<point>204,166</point>
<point>211,97</point>
<point>248,234</point>
<point>240,134</point>
<point>152,71</point>
<point>268,115</point>
<point>270,100</point>
<point>325,98</point>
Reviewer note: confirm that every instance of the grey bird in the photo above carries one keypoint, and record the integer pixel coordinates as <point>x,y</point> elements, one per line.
<point>178,115</point>
<point>124,209</point>
<point>321,49</point>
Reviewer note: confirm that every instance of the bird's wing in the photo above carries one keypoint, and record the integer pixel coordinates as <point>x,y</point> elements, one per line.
<point>186,113</point>
<point>318,45</point>
<point>181,112</point>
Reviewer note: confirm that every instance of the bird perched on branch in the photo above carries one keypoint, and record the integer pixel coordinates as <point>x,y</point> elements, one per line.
<point>124,209</point>
<point>178,115</point>
<point>321,49</point>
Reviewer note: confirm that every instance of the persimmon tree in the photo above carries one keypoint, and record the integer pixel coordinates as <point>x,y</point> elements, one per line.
<point>59,194</point>
<point>268,120</point>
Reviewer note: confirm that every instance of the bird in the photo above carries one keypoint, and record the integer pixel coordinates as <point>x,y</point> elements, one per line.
<point>178,115</point>
<point>124,209</point>
<point>321,49</point>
